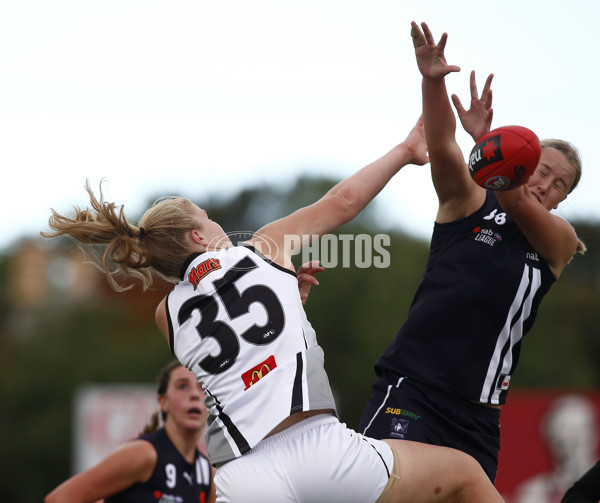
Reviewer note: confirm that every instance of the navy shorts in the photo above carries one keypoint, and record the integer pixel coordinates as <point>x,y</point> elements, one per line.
<point>400,407</point>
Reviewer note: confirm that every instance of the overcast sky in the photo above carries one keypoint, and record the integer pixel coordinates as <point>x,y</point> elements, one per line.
<point>204,98</point>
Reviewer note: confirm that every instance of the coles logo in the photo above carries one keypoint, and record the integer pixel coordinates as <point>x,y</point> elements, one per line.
<point>255,374</point>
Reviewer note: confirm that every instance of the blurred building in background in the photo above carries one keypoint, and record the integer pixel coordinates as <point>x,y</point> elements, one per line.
<point>39,273</point>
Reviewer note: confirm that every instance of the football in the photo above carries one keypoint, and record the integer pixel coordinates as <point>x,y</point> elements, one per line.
<point>504,158</point>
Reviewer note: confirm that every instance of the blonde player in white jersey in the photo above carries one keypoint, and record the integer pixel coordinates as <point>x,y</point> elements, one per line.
<point>235,318</point>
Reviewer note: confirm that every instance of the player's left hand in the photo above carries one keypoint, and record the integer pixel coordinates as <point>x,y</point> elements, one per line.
<point>416,144</point>
<point>306,277</point>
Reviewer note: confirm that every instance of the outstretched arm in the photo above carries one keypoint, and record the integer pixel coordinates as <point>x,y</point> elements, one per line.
<point>344,201</point>
<point>133,462</point>
<point>458,195</point>
<point>550,235</point>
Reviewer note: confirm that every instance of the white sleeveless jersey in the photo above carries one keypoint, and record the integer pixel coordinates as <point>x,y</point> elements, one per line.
<point>237,322</point>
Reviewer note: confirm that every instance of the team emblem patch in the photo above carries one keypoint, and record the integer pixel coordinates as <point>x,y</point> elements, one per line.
<point>399,427</point>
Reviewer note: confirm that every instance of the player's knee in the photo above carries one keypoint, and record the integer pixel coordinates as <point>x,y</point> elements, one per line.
<point>470,469</point>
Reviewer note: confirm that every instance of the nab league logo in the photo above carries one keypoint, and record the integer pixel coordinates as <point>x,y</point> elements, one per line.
<point>487,236</point>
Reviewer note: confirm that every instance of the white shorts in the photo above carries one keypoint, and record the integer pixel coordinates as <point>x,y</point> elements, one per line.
<point>316,460</point>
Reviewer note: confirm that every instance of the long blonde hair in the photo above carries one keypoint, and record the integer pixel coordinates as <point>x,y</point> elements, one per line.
<point>156,243</point>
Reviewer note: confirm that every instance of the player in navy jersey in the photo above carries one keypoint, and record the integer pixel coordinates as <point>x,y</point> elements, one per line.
<point>586,489</point>
<point>235,318</point>
<point>162,464</point>
<point>493,256</point>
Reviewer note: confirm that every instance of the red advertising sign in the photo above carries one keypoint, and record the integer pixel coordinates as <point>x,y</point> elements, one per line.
<point>548,440</point>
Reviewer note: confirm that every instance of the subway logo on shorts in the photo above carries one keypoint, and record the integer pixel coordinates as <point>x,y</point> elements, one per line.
<point>402,412</point>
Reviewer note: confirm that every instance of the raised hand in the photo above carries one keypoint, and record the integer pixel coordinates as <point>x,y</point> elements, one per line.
<point>430,56</point>
<point>478,119</point>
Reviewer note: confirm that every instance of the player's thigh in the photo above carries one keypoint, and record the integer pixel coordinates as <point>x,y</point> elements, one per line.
<point>253,477</point>
<point>430,473</point>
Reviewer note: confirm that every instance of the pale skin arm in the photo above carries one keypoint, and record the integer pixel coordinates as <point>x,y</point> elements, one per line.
<point>133,462</point>
<point>344,201</point>
<point>458,195</point>
<point>550,235</point>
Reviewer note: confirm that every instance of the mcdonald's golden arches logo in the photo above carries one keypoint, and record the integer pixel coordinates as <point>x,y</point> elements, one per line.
<point>255,374</point>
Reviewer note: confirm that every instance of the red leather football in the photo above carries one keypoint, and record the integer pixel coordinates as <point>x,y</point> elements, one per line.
<point>504,158</point>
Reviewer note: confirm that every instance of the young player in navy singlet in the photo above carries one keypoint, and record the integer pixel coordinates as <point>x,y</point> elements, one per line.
<point>235,318</point>
<point>173,479</point>
<point>162,465</point>
<point>493,257</point>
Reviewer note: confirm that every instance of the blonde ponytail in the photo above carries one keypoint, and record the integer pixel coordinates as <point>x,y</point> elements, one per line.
<point>157,245</point>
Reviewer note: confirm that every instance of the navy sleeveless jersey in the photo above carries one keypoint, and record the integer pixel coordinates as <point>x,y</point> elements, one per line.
<point>479,296</point>
<point>173,479</point>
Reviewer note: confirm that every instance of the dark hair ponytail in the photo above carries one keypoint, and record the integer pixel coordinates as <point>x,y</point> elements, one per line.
<point>162,382</point>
